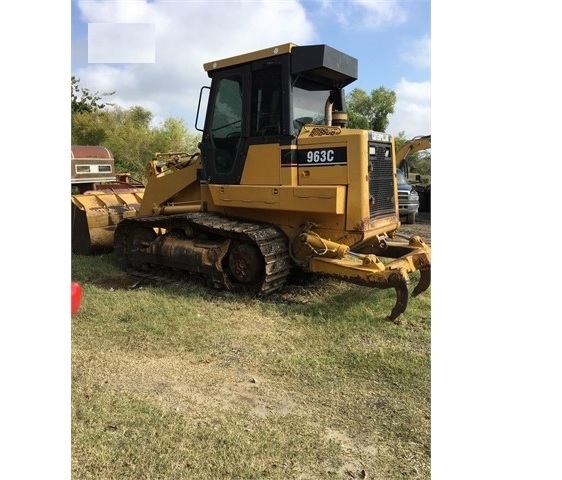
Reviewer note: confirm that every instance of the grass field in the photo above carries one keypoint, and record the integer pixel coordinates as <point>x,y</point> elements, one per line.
<point>179,381</point>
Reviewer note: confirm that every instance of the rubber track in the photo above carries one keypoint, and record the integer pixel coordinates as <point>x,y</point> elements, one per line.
<point>270,240</point>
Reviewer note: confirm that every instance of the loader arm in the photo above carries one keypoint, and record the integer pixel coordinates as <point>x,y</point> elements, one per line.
<point>415,145</point>
<point>173,184</point>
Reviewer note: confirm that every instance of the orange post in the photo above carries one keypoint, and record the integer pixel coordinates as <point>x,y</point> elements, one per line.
<point>76,297</point>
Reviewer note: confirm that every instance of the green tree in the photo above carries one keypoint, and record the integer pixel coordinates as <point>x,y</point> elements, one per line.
<point>356,120</point>
<point>172,135</point>
<point>89,128</point>
<point>87,115</point>
<point>370,110</point>
<point>82,100</point>
<point>129,139</point>
<point>133,139</point>
<point>421,163</point>
<point>130,134</point>
<point>400,140</point>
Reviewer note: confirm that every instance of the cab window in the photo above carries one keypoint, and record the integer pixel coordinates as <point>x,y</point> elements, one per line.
<point>226,126</point>
<point>266,102</point>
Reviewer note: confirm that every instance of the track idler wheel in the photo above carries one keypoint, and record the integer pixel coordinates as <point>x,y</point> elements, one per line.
<point>130,239</point>
<point>246,264</point>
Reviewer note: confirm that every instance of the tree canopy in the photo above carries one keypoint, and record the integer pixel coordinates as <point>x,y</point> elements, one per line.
<point>83,101</point>
<point>370,111</point>
<point>130,134</point>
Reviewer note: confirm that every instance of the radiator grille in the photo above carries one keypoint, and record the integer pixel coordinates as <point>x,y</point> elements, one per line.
<point>381,180</point>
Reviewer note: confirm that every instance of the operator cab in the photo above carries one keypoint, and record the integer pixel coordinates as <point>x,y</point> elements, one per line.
<point>266,97</point>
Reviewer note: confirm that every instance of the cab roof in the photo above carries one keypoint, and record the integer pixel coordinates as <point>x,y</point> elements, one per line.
<point>317,62</point>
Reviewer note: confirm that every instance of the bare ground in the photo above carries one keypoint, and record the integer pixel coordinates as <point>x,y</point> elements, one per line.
<point>422,227</point>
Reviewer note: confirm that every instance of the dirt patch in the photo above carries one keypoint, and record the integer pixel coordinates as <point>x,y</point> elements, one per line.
<point>422,227</point>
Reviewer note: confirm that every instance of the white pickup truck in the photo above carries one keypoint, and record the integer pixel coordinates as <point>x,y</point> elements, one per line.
<point>408,198</point>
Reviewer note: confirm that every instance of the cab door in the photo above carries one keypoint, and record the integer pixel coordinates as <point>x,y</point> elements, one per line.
<point>225,138</point>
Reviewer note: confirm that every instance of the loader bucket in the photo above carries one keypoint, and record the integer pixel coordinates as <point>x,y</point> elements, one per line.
<point>95,214</point>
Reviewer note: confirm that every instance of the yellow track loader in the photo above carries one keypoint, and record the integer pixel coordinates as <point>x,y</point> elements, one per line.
<point>280,186</point>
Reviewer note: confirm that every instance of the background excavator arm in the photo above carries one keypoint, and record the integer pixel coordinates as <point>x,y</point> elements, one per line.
<point>414,145</point>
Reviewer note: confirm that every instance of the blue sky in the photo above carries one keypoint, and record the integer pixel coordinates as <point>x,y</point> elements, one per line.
<point>161,46</point>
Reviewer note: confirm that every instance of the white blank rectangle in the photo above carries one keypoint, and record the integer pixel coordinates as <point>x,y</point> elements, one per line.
<point>121,43</point>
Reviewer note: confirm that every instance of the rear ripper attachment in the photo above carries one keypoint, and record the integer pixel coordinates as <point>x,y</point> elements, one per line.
<point>319,255</point>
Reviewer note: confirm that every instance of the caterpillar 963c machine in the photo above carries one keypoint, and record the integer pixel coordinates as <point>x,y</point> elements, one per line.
<point>279,186</point>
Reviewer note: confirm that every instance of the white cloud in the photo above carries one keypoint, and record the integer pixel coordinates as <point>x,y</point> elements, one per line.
<point>412,113</point>
<point>365,14</point>
<point>121,43</point>
<point>418,53</point>
<point>187,35</point>
<point>130,11</point>
<point>379,13</point>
